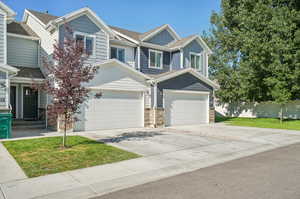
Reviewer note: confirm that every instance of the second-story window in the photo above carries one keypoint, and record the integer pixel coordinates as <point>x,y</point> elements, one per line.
<point>117,53</point>
<point>197,61</point>
<point>88,42</point>
<point>155,59</point>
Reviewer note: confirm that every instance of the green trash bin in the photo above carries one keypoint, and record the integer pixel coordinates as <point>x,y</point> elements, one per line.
<point>5,125</point>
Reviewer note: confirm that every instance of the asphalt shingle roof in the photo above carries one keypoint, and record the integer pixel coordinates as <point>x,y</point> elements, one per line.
<point>43,17</point>
<point>20,28</point>
<point>29,72</point>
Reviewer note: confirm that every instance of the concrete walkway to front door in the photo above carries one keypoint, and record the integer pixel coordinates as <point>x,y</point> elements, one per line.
<point>166,152</point>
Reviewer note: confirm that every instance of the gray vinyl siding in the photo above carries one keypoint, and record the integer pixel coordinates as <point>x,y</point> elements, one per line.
<point>85,25</point>
<point>22,52</point>
<point>162,38</point>
<point>192,47</point>
<point>145,62</point>
<point>183,82</point>
<point>2,40</point>
<point>175,62</point>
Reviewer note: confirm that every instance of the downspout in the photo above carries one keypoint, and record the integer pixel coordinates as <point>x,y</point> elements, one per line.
<point>155,104</point>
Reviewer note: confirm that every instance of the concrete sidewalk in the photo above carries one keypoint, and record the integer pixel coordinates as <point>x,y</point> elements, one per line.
<point>167,152</point>
<point>9,169</point>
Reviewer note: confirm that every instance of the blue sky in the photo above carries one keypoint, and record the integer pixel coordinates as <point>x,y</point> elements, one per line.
<point>185,16</point>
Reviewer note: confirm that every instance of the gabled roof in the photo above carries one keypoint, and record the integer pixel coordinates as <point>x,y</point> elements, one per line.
<point>187,40</point>
<point>172,74</point>
<point>116,62</point>
<point>149,34</point>
<point>20,28</point>
<point>132,34</point>
<point>44,17</point>
<point>50,21</point>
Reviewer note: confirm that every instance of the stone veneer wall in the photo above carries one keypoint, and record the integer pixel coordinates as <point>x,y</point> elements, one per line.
<point>149,117</point>
<point>212,114</point>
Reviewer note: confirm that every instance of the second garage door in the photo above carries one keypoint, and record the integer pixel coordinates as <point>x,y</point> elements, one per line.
<point>114,110</point>
<point>185,107</point>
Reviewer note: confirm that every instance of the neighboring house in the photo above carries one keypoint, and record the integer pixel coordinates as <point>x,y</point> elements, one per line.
<point>147,79</point>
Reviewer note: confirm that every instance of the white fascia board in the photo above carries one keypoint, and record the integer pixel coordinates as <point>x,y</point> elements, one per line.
<point>92,15</point>
<point>126,37</point>
<point>25,16</point>
<point>23,36</point>
<point>8,10</point>
<point>166,26</point>
<point>111,62</point>
<point>191,71</point>
<point>26,80</point>
<point>124,43</point>
<point>199,40</point>
<point>9,68</point>
<point>154,46</point>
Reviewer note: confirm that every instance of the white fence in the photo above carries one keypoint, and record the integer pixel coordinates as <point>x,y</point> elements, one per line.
<point>267,109</point>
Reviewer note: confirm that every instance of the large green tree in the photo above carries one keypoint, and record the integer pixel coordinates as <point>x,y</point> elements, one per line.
<point>256,46</point>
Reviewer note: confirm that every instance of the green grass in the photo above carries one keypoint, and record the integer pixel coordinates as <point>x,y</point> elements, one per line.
<point>261,122</point>
<point>44,156</point>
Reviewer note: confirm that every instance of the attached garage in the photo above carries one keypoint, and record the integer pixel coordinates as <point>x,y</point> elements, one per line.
<point>121,101</point>
<point>186,107</point>
<point>114,110</point>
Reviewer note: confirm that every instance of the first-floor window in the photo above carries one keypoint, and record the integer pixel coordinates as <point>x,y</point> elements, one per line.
<point>117,53</point>
<point>3,88</point>
<point>197,61</point>
<point>87,42</point>
<point>155,59</point>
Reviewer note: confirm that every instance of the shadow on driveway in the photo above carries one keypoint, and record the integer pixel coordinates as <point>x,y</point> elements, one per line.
<point>138,135</point>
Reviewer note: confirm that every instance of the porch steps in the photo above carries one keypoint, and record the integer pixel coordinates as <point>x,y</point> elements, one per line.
<point>23,124</point>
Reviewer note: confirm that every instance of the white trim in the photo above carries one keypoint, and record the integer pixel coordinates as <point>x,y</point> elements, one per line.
<point>161,59</point>
<point>139,57</point>
<point>199,40</point>
<point>121,42</point>
<point>85,35</point>
<point>22,36</point>
<point>206,64</point>
<point>108,45</point>
<point>201,61</point>
<point>26,80</point>
<point>25,16</point>
<point>17,99</point>
<point>155,46</point>
<point>93,88</point>
<point>166,26</point>
<point>5,37</point>
<point>9,68</point>
<point>126,37</point>
<point>181,58</point>
<point>187,70</point>
<point>8,10</point>
<point>126,66</point>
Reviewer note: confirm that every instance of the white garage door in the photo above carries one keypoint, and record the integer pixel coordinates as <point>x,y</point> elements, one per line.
<point>115,109</point>
<point>185,108</point>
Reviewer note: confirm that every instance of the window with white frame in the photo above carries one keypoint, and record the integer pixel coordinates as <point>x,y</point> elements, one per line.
<point>117,53</point>
<point>3,89</point>
<point>196,61</point>
<point>155,59</point>
<point>88,42</point>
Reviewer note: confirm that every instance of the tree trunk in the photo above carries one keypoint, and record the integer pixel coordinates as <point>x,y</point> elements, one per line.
<point>281,113</point>
<point>65,132</point>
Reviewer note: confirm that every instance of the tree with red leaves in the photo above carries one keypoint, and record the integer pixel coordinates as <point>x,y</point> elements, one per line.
<point>67,72</point>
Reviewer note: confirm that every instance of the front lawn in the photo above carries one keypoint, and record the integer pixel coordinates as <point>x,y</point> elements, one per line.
<point>44,156</point>
<point>261,122</point>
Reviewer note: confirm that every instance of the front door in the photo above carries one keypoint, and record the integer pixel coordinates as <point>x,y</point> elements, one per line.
<point>13,100</point>
<point>30,104</point>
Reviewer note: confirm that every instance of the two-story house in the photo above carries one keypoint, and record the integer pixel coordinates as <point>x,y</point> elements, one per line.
<point>146,79</point>
<point>19,68</point>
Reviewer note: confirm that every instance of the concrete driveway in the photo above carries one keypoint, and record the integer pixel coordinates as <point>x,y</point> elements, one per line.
<point>166,152</point>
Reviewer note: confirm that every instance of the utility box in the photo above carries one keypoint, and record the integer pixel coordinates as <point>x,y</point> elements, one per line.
<point>5,125</point>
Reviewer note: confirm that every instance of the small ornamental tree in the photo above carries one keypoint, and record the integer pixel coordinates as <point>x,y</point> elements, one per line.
<point>67,72</point>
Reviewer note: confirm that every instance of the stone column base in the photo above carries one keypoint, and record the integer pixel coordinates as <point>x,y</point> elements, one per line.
<point>212,114</point>
<point>154,118</point>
